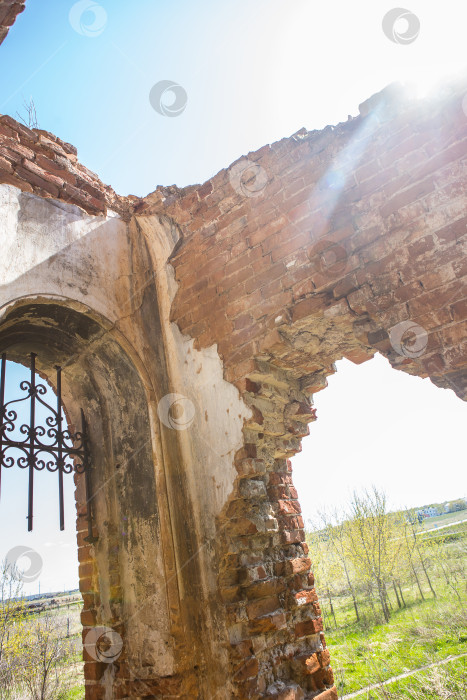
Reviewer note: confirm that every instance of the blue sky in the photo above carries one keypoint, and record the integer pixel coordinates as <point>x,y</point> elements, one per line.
<point>254,71</point>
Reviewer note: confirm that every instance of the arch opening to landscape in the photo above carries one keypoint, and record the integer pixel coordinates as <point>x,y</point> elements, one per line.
<point>392,445</point>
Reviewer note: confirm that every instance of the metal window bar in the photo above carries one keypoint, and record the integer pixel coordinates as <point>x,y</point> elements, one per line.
<point>36,454</point>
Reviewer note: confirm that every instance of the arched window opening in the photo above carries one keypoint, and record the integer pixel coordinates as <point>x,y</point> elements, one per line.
<point>40,604</point>
<point>34,435</point>
<point>103,375</point>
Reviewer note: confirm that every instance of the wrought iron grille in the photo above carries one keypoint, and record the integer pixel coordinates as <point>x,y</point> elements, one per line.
<point>51,446</point>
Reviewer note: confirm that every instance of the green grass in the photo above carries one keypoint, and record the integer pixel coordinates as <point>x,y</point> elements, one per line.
<point>448,681</point>
<point>417,635</point>
<point>445,519</point>
<point>75,693</point>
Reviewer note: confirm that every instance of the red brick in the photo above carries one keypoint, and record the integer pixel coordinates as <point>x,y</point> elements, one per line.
<point>23,132</point>
<point>298,566</point>
<point>86,585</point>
<point>421,189</point>
<point>306,597</point>
<point>15,151</point>
<point>330,694</point>
<point>5,165</point>
<point>262,589</point>
<point>55,168</point>
<point>36,180</point>
<point>247,669</point>
<point>452,232</point>
<point>293,536</point>
<point>268,623</point>
<point>88,618</point>
<point>289,507</point>
<point>308,627</point>
<point>263,606</point>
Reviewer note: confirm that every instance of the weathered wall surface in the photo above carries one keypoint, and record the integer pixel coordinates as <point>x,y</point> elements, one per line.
<point>93,293</point>
<point>364,221</point>
<point>68,282</point>
<point>37,161</point>
<point>9,10</point>
<point>237,296</point>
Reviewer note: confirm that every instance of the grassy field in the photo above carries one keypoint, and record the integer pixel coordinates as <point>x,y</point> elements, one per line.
<point>66,624</point>
<point>366,654</point>
<point>443,520</point>
<point>447,681</point>
<point>422,633</point>
<point>75,669</point>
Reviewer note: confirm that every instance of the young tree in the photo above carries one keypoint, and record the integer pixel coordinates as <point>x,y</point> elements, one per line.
<point>336,528</point>
<point>419,545</point>
<point>325,569</point>
<point>45,649</point>
<point>374,545</point>
<point>12,625</point>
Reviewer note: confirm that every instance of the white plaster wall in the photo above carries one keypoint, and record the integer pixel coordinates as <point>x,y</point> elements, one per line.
<point>216,431</point>
<point>211,435</point>
<point>53,248</point>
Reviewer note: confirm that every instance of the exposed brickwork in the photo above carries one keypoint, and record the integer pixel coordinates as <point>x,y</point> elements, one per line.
<point>274,619</point>
<point>9,10</point>
<point>362,226</point>
<point>37,161</point>
<point>356,229</point>
<point>89,586</point>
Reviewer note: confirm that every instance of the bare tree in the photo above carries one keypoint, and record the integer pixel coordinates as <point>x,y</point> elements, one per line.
<point>29,115</point>
<point>418,548</point>
<point>336,529</point>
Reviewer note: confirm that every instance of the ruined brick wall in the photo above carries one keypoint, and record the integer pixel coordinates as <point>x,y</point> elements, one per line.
<point>326,245</point>
<point>363,223</point>
<point>9,10</point>
<point>329,244</point>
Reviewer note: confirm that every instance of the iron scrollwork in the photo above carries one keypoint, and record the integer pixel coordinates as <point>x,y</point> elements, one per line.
<point>35,446</point>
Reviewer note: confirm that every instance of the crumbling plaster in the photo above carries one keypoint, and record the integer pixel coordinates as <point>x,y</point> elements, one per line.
<point>99,266</point>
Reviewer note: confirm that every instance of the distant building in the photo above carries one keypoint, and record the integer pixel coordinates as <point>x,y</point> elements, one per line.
<point>429,512</point>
